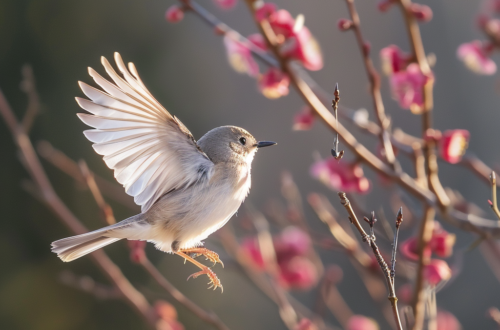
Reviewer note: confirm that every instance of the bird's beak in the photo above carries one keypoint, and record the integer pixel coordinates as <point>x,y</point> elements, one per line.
<point>262,144</point>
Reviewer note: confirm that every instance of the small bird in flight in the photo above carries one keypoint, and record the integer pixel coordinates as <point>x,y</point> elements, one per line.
<point>186,189</point>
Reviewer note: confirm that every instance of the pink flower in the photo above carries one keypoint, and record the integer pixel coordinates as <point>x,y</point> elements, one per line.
<point>226,4</point>
<point>265,11</point>
<point>167,316</point>
<point>409,249</point>
<point>442,242</point>
<point>240,56</point>
<point>360,322</point>
<point>306,324</point>
<point>302,46</point>
<point>344,24</point>
<point>282,23</point>
<point>407,88</point>
<point>303,120</point>
<point>475,56</point>
<point>291,242</point>
<point>298,273</point>
<point>436,271</point>
<point>274,83</point>
<point>453,144</point>
<point>174,14</point>
<point>250,247</point>
<point>258,40</point>
<point>137,253</point>
<point>422,13</point>
<point>341,176</point>
<point>447,321</point>
<point>393,59</point>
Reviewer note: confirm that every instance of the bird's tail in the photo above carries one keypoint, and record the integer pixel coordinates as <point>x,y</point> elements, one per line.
<point>71,248</point>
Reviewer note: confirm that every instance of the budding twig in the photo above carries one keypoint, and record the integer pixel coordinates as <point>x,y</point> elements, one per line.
<point>380,259</point>
<point>399,220</point>
<point>335,105</point>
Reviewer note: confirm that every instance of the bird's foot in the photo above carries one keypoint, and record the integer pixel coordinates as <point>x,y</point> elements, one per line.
<point>214,280</point>
<point>208,254</point>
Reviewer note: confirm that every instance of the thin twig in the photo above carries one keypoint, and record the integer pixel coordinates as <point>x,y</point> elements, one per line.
<point>380,259</point>
<point>494,205</point>
<point>28,86</point>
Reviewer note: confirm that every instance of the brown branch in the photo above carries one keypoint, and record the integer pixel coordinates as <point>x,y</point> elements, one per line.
<point>424,237</point>
<point>494,204</point>
<point>370,239</point>
<point>208,317</point>
<point>52,200</point>
<point>28,86</point>
<point>374,79</point>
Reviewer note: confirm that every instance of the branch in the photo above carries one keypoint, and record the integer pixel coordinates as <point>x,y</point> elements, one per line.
<point>28,86</point>
<point>370,239</point>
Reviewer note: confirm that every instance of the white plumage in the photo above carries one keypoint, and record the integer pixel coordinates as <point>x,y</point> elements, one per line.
<point>186,190</point>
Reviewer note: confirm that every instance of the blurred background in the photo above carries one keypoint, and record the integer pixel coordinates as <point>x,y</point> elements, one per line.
<point>185,67</point>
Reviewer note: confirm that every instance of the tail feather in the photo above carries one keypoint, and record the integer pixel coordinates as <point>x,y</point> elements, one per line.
<point>71,248</point>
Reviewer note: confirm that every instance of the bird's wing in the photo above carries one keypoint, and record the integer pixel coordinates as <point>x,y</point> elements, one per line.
<point>150,150</point>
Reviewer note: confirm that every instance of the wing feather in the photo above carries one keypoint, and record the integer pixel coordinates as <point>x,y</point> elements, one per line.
<point>150,151</point>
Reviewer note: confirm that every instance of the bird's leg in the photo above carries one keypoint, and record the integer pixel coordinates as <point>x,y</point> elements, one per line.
<point>210,255</point>
<point>214,280</point>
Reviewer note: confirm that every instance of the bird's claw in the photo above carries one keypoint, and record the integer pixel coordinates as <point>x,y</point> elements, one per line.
<point>209,255</point>
<point>214,280</point>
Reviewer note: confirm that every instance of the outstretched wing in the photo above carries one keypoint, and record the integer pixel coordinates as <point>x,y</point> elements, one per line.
<point>150,150</point>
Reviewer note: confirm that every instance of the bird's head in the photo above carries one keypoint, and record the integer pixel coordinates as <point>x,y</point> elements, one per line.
<point>230,143</point>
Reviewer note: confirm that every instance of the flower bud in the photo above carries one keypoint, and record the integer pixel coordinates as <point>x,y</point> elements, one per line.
<point>436,271</point>
<point>174,14</point>
<point>344,24</point>
<point>422,13</point>
<point>453,145</point>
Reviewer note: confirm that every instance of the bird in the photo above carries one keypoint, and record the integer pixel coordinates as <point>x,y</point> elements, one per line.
<point>187,189</point>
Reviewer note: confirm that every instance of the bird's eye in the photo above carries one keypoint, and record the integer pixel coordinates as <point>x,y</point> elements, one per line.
<point>243,141</point>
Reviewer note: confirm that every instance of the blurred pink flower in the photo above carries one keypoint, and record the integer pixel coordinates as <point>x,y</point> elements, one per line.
<point>303,120</point>
<point>240,56</point>
<point>407,88</point>
<point>167,316</point>
<point>393,59</point>
<point>447,321</point>
<point>137,253</point>
<point>475,56</point>
<point>360,322</point>
<point>436,271</point>
<point>422,13</point>
<point>442,242</point>
<point>250,247</point>
<point>258,40</point>
<point>174,14</point>
<point>298,273</point>
<point>453,145</point>
<point>409,249</point>
<point>291,242</point>
<point>306,324</point>
<point>282,23</point>
<point>265,11</point>
<point>274,83</point>
<point>341,175</point>
<point>226,4</point>
<point>302,46</point>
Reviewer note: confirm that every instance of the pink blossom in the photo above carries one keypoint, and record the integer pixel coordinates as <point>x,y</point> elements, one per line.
<point>447,321</point>
<point>174,14</point>
<point>240,56</point>
<point>302,46</point>
<point>341,176</point>
<point>306,324</point>
<point>258,40</point>
<point>265,11</point>
<point>393,59</point>
<point>303,120</point>
<point>407,88</point>
<point>298,273</point>
<point>250,247</point>
<point>137,253</point>
<point>274,83</point>
<point>442,242</point>
<point>453,144</point>
<point>475,56</point>
<point>282,23</point>
<point>167,316</point>
<point>360,322</point>
<point>291,242</point>
<point>436,271</point>
<point>226,4</point>
<point>409,249</point>
<point>422,13</point>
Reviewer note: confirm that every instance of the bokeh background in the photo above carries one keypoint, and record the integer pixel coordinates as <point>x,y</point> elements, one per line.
<point>185,67</point>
